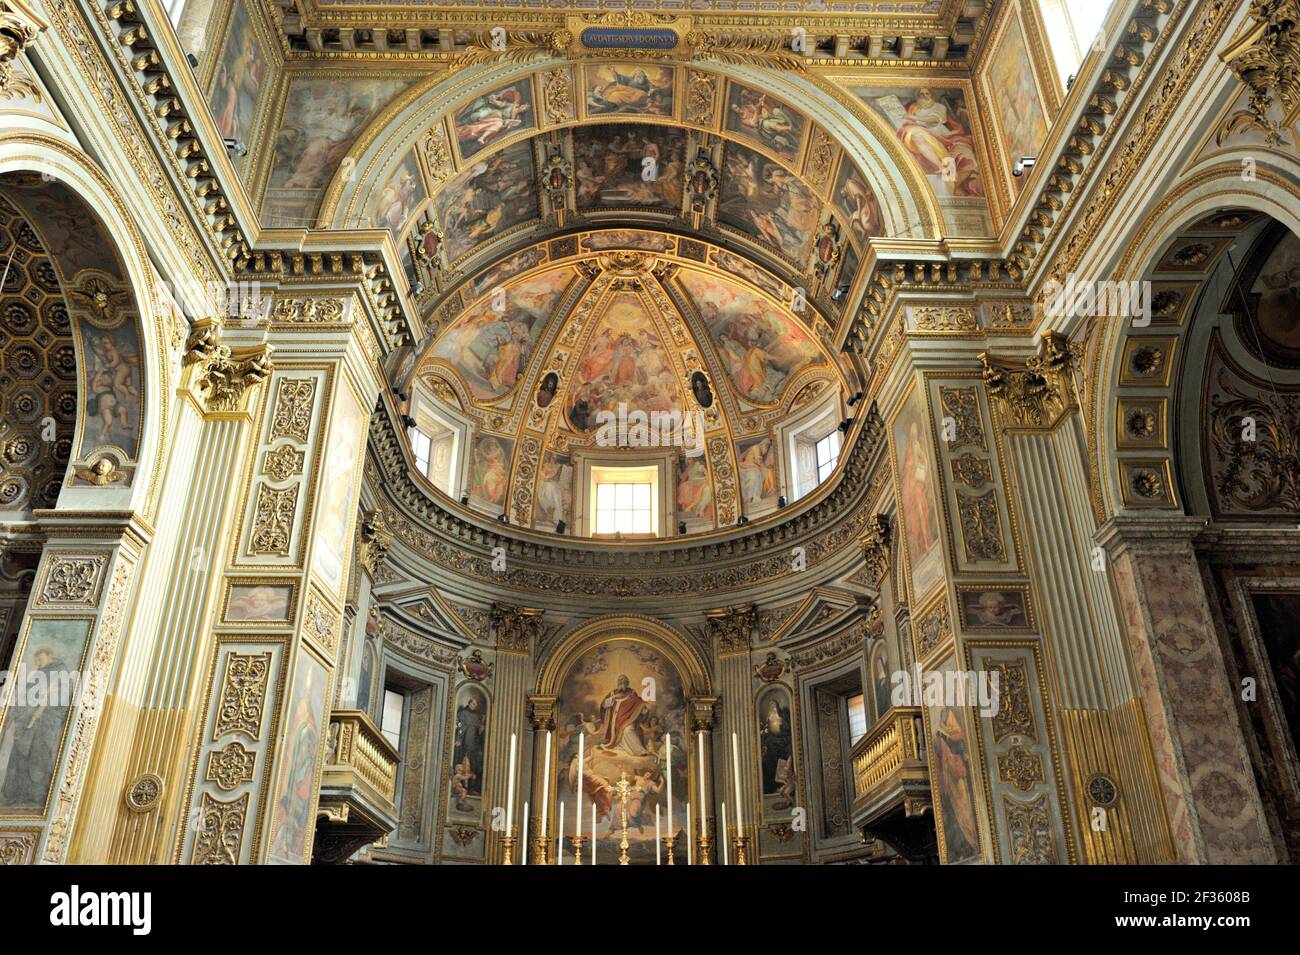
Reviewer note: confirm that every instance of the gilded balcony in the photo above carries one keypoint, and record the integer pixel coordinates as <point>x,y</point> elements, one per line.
<point>890,775</point>
<point>358,793</point>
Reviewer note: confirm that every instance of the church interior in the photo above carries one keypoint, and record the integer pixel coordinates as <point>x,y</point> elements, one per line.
<point>446,432</point>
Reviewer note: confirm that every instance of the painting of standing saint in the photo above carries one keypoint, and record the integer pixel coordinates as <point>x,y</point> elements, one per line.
<point>469,751</point>
<point>761,348</point>
<point>489,345</point>
<point>241,73</point>
<point>624,697</point>
<point>488,198</point>
<point>934,126</point>
<point>494,116</point>
<point>768,202</point>
<point>296,785</point>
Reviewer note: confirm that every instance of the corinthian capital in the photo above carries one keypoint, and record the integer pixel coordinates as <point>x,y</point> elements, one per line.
<point>731,628</point>
<point>515,627</point>
<point>1266,56</point>
<point>875,548</point>
<point>223,374</point>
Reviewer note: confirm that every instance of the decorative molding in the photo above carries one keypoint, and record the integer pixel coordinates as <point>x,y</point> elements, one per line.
<point>243,695</point>
<point>1266,57</point>
<point>273,520</point>
<point>876,548</point>
<point>375,541</point>
<point>1021,768</point>
<point>1030,828</point>
<point>72,580</point>
<point>294,399</point>
<point>144,792</point>
<point>220,831</point>
<point>20,25</point>
<point>231,766</point>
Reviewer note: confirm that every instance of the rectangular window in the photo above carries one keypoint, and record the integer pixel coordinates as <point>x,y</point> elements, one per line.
<point>624,509</point>
<point>421,445</point>
<point>390,724</point>
<point>857,718</point>
<point>828,453</point>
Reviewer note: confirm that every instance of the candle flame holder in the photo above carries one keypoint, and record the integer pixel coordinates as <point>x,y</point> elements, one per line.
<point>577,843</point>
<point>508,847</point>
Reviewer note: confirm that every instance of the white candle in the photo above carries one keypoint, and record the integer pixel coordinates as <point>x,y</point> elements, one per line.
<point>559,852</point>
<point>704,799</point>
<point>523,841</point>
<point>689,839</point>
<point>593,833</point>
<point>735,769</point>
<point>668,745</point>
<point>725,860</point>
<point>577,807</point>
<point>510,787</point>
<point>657,836</point>
<point>544,821</point>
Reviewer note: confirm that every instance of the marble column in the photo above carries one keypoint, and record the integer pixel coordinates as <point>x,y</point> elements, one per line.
<point>515,629</point>
<point>1201,755</point>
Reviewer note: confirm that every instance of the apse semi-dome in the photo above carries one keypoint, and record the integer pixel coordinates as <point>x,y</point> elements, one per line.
<point>629,356</point>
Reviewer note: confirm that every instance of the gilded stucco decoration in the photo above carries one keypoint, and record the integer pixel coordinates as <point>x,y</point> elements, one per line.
<point>243,695</point>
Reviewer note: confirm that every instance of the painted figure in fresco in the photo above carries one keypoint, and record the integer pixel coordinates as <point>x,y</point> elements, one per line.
<point>993,609</point>
<point>860,203</point>
<point>952,759</point>
<point>700,388</point>
<point>494,194</point>
<point>292,811</point>
<point>555,494</point>
<point>546,393</point>
<point>611,167</point>
<point>32,736</point>
<point>757,465</point>
<point>767,120</point>
<point>620,710</point>
<point>922,526</point>
<point>934,133</point>
<point>396,200</point>
<point>694,492</point>
<point>490,475</point>
<point>490,117</point>
<point>643,798</point>
<point>113,394</point>
<point>238,81</point>
<point>634,93</point>
<point>467,758</point>
<point>776,751</point>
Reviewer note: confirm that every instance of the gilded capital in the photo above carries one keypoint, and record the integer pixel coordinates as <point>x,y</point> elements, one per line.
<point>1266,57</point>
<point>515,627</point>
<point>221,374</point>
<point>19,27</point>
<point>375,541</point>
<point>1036,394</point>
<point>541,713</point>
<point>731,627</point>
<point>875,547</point>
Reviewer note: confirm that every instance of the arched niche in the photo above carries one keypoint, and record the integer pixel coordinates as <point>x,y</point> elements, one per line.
<point>1134,367</point>
<point>624,686</point>
<point>121,354</point>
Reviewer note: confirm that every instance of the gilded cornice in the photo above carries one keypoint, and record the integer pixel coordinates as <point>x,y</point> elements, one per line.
<point>463,543</point>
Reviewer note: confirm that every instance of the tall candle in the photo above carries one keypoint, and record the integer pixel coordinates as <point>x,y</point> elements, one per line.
<point>523,841</point>
<point>559,852</point>
<point>510,787</point>
<point>544,819</point>
<point>723,834</point>
<point>593,833</point>
<point>668,745</point>
<point>704,799</point>
<point>658,844</point>
<point>689,838</point>
<point>577,807</point>
<point>735,769</point>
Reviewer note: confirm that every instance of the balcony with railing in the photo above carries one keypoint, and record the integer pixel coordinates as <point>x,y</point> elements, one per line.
<point>891,781</point>
<point>358,793</point>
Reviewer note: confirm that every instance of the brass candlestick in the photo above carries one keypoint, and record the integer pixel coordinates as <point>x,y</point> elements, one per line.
<point>703,845</point>
<point>577,842</point>
<point>507,846</point>
<point>541,849</point>
<point>624,789</point>
<point>669,842</point>
<point>739,843</point>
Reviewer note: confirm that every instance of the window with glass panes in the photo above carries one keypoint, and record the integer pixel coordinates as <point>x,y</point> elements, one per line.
<point>624,509</point>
